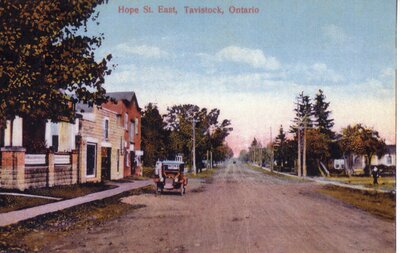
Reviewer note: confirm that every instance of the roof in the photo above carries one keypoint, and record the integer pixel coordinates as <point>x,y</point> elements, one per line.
<point>391,149</point>
<point>126,96</point>
<point>81,107</point>
<point>171,162</point>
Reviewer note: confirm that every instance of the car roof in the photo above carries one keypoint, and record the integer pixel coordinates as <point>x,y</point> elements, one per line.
<point>170,162</point>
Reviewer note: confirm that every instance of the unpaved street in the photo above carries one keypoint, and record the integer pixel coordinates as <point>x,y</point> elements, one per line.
<point>239,210</point>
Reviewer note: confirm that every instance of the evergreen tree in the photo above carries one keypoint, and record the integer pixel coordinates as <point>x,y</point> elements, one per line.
<point>321,115</point>
<point>154,136</point>
<point>279,147</point>
<point>303,112</point>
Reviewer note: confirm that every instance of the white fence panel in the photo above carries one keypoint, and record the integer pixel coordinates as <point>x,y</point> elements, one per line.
<point>62,159</point>
<point>37,159</point>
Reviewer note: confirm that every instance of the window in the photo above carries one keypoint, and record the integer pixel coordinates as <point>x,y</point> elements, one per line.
<point>126,121</point>
<point>389,160</point>
<point>131,132</point>
<point>136,125</point>
<point>54,140</point>
<point>127,158</point>
<point>105,133</point>
<point>91,159</point>
<point>117,160</point>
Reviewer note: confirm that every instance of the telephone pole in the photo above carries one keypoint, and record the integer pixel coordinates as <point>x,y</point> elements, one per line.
<point>304,151</point>
<point>272,148</point>
<point>194,146</point>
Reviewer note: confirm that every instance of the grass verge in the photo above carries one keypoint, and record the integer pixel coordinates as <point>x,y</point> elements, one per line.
<point>384,183</point>
<point>34,234</point>
<point>10,203</point>
<point>205,174</point>
<point>65,191</point>
<point>256,168</point>
<point>380,204</point>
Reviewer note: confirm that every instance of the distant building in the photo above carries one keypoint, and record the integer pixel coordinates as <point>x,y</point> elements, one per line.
<point>130,119</point>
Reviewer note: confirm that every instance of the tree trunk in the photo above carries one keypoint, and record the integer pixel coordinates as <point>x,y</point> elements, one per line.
<point>368,171</point>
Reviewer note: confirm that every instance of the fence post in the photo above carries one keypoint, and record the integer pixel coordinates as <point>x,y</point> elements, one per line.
<point>13,168</point>
<point>74,166</point>
<point>50,171</point>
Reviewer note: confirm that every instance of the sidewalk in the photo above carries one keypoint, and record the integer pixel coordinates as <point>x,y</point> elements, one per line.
<point>20,215</point>
<point>326,181</point>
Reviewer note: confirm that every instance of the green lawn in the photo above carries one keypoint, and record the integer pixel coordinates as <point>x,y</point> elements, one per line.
<point>384,183</point>
<point>10,203</point>
<point>380,204</point>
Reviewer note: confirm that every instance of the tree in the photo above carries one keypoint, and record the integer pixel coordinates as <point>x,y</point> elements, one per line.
<point>279,147</point>
<point>46,63</point>
<point>154,137</point>
<point>209,132</point>
<point>317,150</point>
<point>363,141</point>
<point>321,115</point>
<point>303,113</point>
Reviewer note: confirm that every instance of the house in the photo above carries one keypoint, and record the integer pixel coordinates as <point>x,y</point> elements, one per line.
<point>388,159</point>
<point>43,162</point>
<point>102,143</point>
<point>126,105</point>
<point>99,143</point>
<point>357,163</point>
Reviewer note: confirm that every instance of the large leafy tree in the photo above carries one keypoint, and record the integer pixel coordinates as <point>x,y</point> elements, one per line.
<point>317,150</point>
<point>321,113</point>
<point>210,132</point>
<point>44,58</point>
<point>363,141</point>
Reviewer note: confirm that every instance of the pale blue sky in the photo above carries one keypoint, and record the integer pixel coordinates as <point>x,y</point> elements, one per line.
<point>252,66</point>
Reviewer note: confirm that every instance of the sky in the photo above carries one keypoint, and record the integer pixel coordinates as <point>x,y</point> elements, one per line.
<point>252,66</point>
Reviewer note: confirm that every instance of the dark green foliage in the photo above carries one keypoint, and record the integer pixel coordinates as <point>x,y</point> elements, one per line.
<point>154,137</point>
<point>321,114</point>
<point>44,58</point>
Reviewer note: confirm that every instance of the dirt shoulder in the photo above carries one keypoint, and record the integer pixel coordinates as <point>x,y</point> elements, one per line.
<point>35,234</point>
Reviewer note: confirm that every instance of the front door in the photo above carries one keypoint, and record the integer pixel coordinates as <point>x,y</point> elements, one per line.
<point>133,162</point>
<point>91,159</point>
<point>105,163</point>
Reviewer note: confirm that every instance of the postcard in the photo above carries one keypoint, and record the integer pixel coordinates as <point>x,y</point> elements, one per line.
<point>198,126</point>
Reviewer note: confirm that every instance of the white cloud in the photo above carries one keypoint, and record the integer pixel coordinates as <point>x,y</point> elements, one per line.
<point>143,50</point>
<point>254,57</point>
<point>335,34</point>
<point>387,73</point>
<point>317,72</point>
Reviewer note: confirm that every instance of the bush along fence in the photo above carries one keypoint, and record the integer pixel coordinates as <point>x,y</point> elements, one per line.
<point>22,171</point>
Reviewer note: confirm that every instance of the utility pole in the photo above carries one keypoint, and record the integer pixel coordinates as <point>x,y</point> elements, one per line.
<point>194,147</point>
<point>298,152</point>
<point>208,160</point>
<point>211,160</point>
<point>272,148</point>
<point>304,151</point>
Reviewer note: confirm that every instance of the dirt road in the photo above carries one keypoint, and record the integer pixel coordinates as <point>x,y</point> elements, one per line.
<point>241,210</point>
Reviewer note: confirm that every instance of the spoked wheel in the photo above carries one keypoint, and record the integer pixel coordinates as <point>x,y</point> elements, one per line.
<point>159,190</point>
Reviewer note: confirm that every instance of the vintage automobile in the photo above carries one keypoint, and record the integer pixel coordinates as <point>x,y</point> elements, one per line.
<point>169,175</point>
